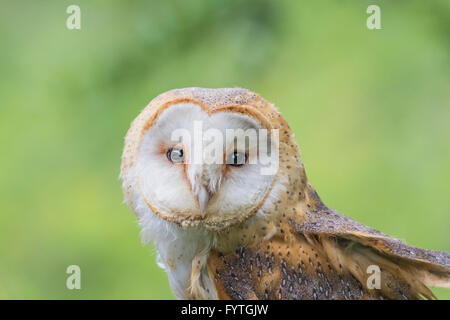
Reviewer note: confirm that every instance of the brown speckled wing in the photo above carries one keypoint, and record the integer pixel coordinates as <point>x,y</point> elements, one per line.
<point>325,221</point>
<point>325,257</point>
<point>277,270</point>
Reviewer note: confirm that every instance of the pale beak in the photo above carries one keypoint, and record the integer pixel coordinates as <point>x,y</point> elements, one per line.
<point>204,181</point>
<point>202,198</point>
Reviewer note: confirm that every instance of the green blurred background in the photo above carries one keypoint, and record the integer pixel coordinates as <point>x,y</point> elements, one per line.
<point>370,109</point>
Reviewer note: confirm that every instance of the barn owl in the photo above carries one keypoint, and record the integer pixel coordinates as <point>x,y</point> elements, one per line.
<point>228,230</point>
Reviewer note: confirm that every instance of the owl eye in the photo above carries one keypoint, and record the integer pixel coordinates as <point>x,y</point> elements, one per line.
<point>175,155</point>
<point>237,159</point>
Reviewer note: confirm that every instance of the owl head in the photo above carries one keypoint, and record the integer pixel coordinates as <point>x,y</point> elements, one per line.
<point>207,157</point>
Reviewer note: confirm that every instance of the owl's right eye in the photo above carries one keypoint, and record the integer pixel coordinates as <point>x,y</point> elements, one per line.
<point>175,155</point>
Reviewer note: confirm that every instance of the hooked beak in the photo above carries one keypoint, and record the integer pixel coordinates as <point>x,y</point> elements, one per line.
<point>203,197</point>
<point>204,181</point>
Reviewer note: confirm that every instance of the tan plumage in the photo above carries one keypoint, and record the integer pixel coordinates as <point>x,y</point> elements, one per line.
<point>288,245</point>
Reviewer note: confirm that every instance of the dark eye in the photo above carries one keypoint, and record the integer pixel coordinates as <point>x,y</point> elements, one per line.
<point>175,155</point>
<point>237,159</point>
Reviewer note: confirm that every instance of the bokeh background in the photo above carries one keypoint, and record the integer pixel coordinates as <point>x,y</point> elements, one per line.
<point>370,109</point>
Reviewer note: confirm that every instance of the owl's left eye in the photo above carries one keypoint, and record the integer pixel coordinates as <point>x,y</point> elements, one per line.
<point>175,155</point>
<point>237,159</point>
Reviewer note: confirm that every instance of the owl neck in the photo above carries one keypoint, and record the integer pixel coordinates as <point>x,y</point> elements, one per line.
<point>177,249</point>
